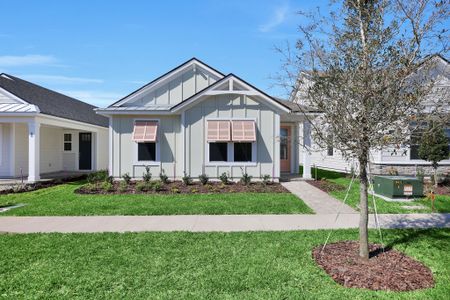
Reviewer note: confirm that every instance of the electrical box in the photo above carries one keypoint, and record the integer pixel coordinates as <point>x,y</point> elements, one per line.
<point>398,186</point>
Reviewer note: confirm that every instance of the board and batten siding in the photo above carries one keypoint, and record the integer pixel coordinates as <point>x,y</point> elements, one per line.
<point>125,149</point>
<point>232,106</point>
<point>177,89</point>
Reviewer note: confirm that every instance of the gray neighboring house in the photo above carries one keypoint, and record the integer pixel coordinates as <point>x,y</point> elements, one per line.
<point>45,132</point>
<point>197,120</point>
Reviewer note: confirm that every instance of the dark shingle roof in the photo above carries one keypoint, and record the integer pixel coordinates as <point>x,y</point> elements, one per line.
<point>295,107</point>
<point>51,102</point>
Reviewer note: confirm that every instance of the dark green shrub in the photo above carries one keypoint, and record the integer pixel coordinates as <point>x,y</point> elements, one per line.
<point>246,179</point>
<point>147,176</point>
<point>203,178</point>
<point>265,179</point>
<point>224,177</point>
<point>163,177</point>
<point>127,178</point>
<point>157,186</point>
<point>187,180</point>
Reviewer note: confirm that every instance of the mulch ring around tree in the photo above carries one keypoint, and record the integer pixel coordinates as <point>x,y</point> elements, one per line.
<point>326,186</point>
<point>178,187</point>
<point>388,270</point>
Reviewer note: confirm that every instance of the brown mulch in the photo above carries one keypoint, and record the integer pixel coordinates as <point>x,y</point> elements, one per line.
<point>326,186</point>
<point>443,190</point>
<point>28,187</point>
<point>178,187</point>
<point>385,270</point>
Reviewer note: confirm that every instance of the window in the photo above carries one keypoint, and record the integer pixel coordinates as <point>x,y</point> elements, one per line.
<point>284,146</point>
<point>67,142</point>
<point>218,152</point>
<point>243,152</point>
<point>146,151</point>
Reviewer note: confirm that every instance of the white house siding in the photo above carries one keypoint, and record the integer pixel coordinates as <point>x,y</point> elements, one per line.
<point>101,149</point>
<point>231,106</point>
<point>5,149</point>
<point>177,89</point>
<point>51,144</point>
<point>125,149</point>
<point>21,149</point>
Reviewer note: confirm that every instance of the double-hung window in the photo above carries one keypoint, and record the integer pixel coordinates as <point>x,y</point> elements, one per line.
<point>231,141</point>
<point>67,142</point>
<point>145,135</point>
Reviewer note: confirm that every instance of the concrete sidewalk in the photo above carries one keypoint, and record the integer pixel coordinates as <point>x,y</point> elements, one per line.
<point>316,199</point>
<point>213,223</point>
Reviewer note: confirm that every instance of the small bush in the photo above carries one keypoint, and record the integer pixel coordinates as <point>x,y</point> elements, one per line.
<point>147,176</point>
<point>203,178</point>
<point>123,186</point>
<point>246,179</point>
<point>265,179</point>
<point>157,186</point>
<point>225,178</point>
<point>187,180</point>
<point>127,178</point>
<point>110,179</point>
<point>163,177</point>
<point>90,187</point>
<point>175,190</point>
<point>107,186</point>
<point>143,186</point>
<point>97,176</point>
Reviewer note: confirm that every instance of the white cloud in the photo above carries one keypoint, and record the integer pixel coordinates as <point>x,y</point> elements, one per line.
<point>97,98</point>
<point>26,60</point>
<point>279,15</point>
<point>57,79</point>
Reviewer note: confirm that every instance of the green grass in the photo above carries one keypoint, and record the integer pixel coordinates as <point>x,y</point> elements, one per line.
<point>259,265</point>
<point>62,201</point>
<point>442,203</point>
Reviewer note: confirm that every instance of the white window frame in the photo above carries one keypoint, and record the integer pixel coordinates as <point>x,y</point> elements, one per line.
<point>156,162</point>
<point>1,143</point>
<point>71,142</point>
<point>230,147</point>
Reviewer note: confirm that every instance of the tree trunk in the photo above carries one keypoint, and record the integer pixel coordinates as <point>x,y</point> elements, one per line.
<point>363,207</point>
<point>435,177</point>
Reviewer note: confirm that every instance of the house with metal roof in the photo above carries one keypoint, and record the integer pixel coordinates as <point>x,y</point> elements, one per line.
<point>45,132</point>
<point>196,120</point>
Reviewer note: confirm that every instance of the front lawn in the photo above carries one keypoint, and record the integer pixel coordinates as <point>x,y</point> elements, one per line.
<point>62,201</point>
<point>442,202</point>
<point>259,265</point>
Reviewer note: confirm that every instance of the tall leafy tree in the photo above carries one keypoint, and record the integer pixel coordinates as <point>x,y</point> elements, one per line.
<point>361,64</point>
<point>434,147</point>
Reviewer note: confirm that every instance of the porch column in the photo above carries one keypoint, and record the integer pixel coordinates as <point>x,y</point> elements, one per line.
<point>33,151</point>
<point>306,150</point>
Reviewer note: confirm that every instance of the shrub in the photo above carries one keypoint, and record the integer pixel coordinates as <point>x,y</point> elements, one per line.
<point>107,186</point>
<point>147,176</point>
<point>123,186</point>
<point>163,177</point>
<point>97,176</point>
<point>266,179</point>
<point>143,186</point>
<point>127,178</point>
<point>175,190</point>
<point>203,178</point>
<point>246,179</point>
<point>224,177</point>
<point>110,179</point>
<point>187,180</point>
<point>157,186</point>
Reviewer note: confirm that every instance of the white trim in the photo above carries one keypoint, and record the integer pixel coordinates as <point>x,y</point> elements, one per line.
<point>184,67</point>
<point>33,151</point>
<point>156,162</point>
<point>71,143</point>
<point>14,97</point>
<point>12,154</point>
<point>92,127</point>
<point>106,112</point>
<point>230,154</point>
<point>238,92</point>
<point>183,140</point>
<point>110,147</point>
<point>187,103</point>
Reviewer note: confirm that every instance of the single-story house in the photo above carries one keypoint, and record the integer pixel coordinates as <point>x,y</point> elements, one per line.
<point>42,131</point>
<point>404,159</point>
<point>196,120</point>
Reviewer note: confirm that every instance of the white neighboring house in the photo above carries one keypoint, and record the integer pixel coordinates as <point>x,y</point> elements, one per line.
<point>44,132</point>
<point>196,120</point>
<point>404,159</point>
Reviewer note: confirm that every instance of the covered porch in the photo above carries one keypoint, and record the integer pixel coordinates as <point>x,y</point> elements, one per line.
<point>37,147</point>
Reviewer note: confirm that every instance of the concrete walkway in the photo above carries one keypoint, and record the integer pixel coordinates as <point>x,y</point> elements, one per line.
<point>316,199</point>
<point>211,223</point>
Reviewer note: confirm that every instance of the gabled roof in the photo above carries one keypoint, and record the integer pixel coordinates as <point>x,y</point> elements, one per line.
<point>50,102</point>
<point>183,66</point>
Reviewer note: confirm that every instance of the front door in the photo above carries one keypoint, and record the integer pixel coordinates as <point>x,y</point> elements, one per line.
<point>85,151</point>
<point>285,148</point>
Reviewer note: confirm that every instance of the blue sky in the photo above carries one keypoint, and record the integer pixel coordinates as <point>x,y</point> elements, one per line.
<point>99,51</point>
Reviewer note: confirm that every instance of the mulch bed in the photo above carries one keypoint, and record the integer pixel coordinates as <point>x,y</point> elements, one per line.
<point>326,186</point>
<point>178,187</point>
<point>28,187</point>
<point>443,190</point>
<point>385,270</point>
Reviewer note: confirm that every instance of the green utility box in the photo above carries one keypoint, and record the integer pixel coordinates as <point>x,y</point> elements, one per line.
<point>398,186</point>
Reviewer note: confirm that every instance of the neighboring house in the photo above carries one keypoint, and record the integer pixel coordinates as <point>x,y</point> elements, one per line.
<point>404,159</point>
<point>42,131</point>
<point>196,120</point>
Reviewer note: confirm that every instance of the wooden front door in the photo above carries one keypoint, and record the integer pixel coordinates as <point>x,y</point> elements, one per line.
<point>85,151</point>
<point>285,149</point>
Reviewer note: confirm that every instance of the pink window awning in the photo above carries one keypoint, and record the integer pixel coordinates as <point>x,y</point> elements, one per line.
<point>145,131</point>
<point>243,131</point>
<point>218,131</point>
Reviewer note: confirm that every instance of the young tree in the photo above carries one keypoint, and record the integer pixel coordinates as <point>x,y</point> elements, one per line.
<point>434,147</point>
<point>360,66</point>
